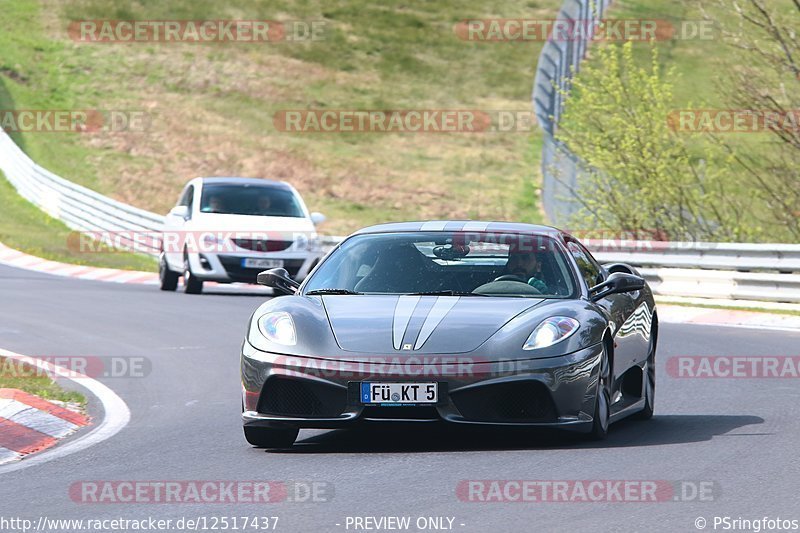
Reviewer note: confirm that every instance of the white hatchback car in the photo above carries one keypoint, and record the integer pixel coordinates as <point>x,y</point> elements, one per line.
<point>229,229</point>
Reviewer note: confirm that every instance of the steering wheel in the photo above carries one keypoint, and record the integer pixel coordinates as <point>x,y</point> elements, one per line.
<point>511,277</point>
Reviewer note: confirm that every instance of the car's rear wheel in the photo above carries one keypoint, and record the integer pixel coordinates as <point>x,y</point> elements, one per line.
<point>167,278</point>
<point>649,382</point>
<point>602,406</point>
<point>191,284</point>
<point>270,437</point>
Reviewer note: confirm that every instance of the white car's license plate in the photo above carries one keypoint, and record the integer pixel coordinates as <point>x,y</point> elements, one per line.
<point>402,393</point>
<point>254,262</point>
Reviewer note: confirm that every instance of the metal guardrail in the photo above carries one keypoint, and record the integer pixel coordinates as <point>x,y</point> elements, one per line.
<point>558,61</point>
<point>79,208</point>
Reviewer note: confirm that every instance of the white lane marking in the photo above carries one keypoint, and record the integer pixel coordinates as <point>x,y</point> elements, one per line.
<point>475,226</point>
<point>402,316</point>
<point>434,225</point>
<point>441,307</point>
<point>117,414</point>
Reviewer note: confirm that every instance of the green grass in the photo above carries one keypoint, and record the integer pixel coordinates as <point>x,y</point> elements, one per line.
<point>15,375</point>
<point>210,106</point>
<point>24,227</point>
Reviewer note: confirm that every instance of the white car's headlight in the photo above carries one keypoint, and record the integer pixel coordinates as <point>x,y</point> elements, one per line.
<point>278,327</point>
<point>550,331</point>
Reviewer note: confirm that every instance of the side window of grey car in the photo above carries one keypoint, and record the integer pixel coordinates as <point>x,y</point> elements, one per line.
<point>589,268</point>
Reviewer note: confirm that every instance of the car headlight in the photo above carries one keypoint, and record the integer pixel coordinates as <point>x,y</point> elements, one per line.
<point>550,331</point>
<point>278,327</point>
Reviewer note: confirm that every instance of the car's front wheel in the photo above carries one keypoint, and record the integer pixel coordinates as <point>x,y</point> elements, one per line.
<point>602,406</point>
<point>168,279</point>
<point>191,284</point>
<point>270,437</point>
<point>649,382</point>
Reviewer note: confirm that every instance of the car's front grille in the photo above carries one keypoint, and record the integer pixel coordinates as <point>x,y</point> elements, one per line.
<point>518,401</point>
<point>294,397</point>
<point>262,245</point>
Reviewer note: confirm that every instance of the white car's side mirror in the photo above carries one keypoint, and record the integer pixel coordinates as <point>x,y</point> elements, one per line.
<point>179,211</point>
<point>317,218</point>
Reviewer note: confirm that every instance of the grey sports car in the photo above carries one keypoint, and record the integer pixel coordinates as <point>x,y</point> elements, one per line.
<point>489,323</point>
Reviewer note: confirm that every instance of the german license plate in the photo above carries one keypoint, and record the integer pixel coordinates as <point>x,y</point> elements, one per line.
<point>399,393</point>
<point>254,262</point>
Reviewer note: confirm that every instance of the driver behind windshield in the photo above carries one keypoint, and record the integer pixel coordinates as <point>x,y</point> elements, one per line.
<point>526,266</point>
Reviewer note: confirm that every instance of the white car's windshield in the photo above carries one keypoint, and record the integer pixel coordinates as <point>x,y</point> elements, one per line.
<point>479,264</point>
<point>250,200</point>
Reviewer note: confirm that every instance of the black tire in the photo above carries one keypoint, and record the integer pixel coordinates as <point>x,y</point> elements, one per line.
<point>167,278</point>
<point>270,437</point>
<point>649,385</point>
<point>191,284</point>
<point>602,405</point>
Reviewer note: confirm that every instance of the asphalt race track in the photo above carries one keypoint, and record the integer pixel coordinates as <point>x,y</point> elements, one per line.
<point>739,435</point>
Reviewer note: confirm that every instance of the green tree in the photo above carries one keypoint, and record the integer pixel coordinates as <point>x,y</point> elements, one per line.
<point>644,176</point>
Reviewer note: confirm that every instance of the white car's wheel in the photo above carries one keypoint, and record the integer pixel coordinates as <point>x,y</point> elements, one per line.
<point>167,278</point>
<point>191,284</point>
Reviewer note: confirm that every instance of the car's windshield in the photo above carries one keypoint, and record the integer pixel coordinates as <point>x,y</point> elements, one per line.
<point>457,263</point>
<point>250,200</point>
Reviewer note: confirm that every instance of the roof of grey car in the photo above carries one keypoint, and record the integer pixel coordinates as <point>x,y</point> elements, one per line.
<point>460,225</point>
<point>260,182</point>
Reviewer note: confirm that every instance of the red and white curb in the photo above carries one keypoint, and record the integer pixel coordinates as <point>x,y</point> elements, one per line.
<point>50,423</point>
<point>29,424</point>
<point>15,258</point>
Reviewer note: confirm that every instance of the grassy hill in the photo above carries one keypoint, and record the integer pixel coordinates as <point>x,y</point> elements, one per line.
<point>209,107</point>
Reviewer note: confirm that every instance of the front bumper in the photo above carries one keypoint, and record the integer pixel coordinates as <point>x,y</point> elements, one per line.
<point>228,268</point>
<point>306,392</point>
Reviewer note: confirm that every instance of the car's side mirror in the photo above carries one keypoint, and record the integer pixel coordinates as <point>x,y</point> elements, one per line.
<point>318,218</point>
<point>278,279</point>
<point>617,283</point>
<point>181,211</point>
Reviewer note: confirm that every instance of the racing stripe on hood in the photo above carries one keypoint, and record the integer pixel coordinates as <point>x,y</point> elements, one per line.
<point>442,306</point>
<point>402,316</point>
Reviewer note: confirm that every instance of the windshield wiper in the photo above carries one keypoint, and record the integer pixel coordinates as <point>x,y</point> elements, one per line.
<point>445,293</point>
<point>332,291</point>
